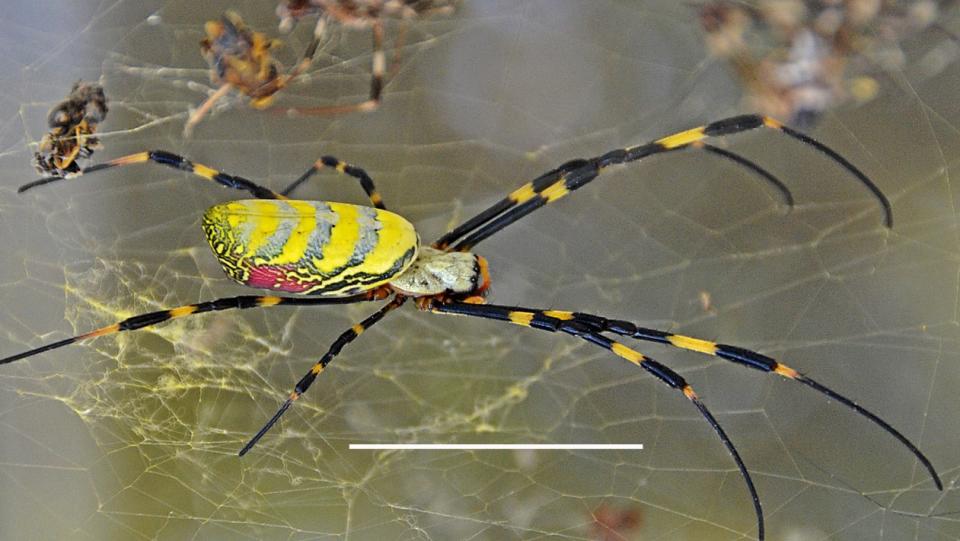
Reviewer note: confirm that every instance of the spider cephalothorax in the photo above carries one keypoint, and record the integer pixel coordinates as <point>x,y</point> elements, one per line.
<point>436,272</point>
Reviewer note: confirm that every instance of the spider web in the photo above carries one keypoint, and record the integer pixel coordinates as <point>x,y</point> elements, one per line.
<point>135,436</point>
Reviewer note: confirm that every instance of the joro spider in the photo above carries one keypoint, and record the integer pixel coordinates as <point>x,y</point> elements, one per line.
<point>337,253</point>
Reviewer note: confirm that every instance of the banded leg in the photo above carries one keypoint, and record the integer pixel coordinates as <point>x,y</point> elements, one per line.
<point>539,319</point>
<point>174,161</point>
<point>376,84</point>
<point>554,320</point>
<point>345,169</point>
<point>747,358</point>
<point>574,174</point>
<point>318,367</point>
<point>228,303</point>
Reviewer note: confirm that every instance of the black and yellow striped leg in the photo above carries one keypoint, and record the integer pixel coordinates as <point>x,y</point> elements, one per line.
<point>378,69</point>
<point>525,195</point>
<point>557,183</point>
<point>343,168</point>
<point>785,194</point>
<point>228,303</point>
<point>348,336</point>
<point>174,161</point>
<point>555,321</point>
<point>740,356</point>
<point>553,177</point>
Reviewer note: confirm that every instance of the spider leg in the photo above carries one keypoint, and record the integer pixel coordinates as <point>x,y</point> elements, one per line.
<point>376,83</point>
<point>348,336</point>
<point>727,352</point>
<point>761,172</point>
<point>754,360</point>
<point>343,168</point>
<point>746,163</point>
<point>320,30</point>
<point>519,197</point>
<point>227,303</point>
<point>204,108</point>
<point>175,161</point>
<point>285,80</point>
<point>574,174</point>
<point>542,320</point>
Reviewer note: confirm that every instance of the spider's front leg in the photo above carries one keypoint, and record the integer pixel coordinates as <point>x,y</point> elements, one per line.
<point>575,174</point>
<point>236,182</point>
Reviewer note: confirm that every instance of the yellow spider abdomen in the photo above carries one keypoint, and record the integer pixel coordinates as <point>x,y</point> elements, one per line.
<point>309,247</point>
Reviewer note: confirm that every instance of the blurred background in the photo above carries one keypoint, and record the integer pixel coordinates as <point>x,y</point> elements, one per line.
<point>135,436</point>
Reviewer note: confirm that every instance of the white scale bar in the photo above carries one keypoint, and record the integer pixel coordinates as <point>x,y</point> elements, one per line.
<point>496,446</point>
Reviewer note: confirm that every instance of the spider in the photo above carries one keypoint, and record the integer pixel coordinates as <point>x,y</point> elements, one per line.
<point>358,14</point>
<point>241,58</point>
<point>72,123</point>
<point>338,253</point>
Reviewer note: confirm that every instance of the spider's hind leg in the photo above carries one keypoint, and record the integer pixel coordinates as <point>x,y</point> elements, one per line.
<point>241,302</point>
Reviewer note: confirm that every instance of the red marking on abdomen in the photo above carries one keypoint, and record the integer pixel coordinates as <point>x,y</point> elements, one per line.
<point>275,279</point>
